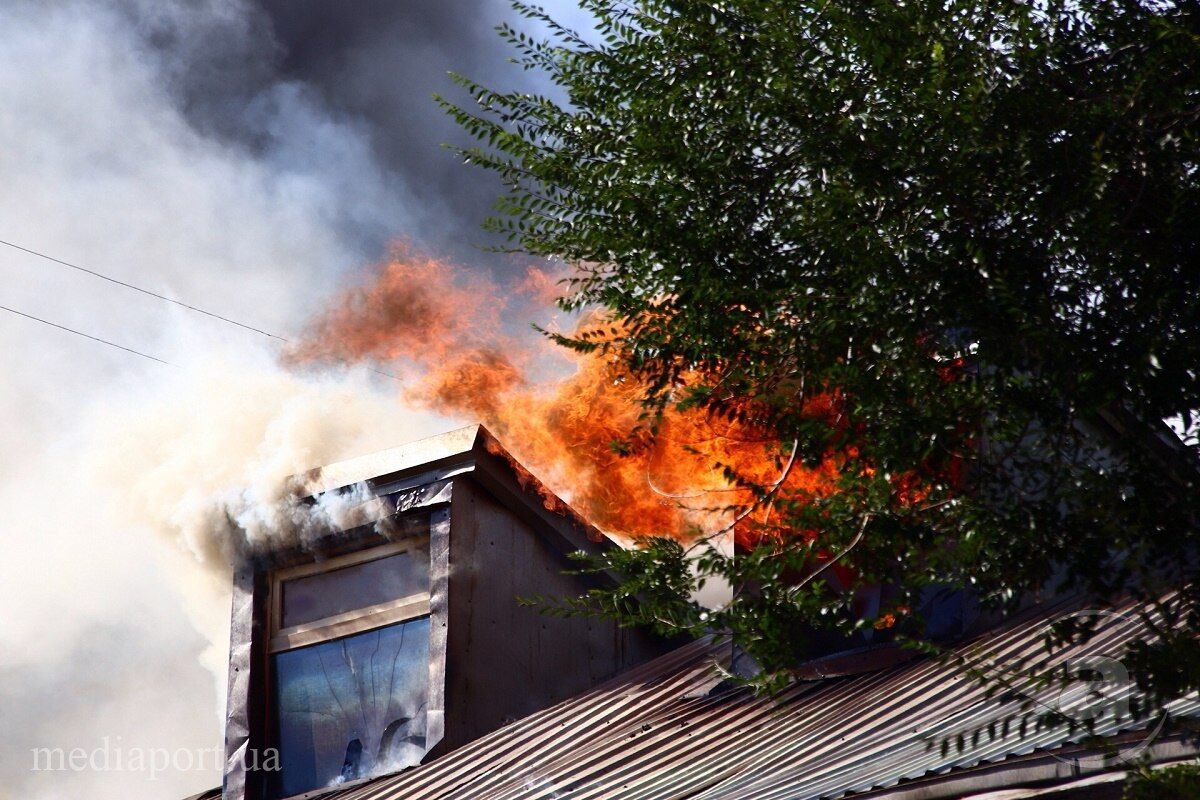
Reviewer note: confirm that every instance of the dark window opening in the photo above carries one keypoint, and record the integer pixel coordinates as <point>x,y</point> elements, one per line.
<point>350,666</point>
<point>328,594</point>
<point>353,762</point>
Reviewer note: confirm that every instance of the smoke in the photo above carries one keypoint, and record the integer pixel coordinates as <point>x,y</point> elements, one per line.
<point>381,64</point>
<point>247,158</point>
<point>215,456</point>
<point>112,158</point>
<point>206,463</point>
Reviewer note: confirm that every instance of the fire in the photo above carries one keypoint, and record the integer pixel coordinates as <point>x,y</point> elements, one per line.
<point>443,333</point>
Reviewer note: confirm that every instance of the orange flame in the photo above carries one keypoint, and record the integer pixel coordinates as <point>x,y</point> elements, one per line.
<point>443,332</point>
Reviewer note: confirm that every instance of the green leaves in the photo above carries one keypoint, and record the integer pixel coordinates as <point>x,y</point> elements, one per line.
<point>973,221</point>
<point>1180,782</point>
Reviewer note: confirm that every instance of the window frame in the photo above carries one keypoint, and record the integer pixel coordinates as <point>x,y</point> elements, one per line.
<point>422,511</point>
<point>348,623</point>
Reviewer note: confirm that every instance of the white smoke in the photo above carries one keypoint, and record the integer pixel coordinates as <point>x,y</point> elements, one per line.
<point>215,455</point>
<point>119,476</point>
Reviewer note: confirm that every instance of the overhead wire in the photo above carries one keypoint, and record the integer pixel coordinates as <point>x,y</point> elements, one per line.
<point>135,288</point>
<point>150,293</point>
<point>85,335</point>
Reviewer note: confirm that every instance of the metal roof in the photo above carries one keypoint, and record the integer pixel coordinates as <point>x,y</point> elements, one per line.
<point>671,730</point>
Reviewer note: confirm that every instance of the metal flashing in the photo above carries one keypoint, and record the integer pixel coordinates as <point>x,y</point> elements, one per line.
<point>386,464</point>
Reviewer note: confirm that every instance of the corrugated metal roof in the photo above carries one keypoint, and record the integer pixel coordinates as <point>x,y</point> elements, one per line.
<point>670,730</point>
<point>661,732</point>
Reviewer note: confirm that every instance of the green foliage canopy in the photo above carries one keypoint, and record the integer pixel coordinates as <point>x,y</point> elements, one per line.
<point>976,221</point>
<point>1174,783</point>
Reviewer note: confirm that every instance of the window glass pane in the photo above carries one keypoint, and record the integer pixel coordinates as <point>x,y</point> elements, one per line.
<point>352,707</point>
<point>349,588</point>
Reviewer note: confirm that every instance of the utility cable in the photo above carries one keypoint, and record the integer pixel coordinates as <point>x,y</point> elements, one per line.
<point>127,285</point>
<point>150,293</point>
<point>85,335</point>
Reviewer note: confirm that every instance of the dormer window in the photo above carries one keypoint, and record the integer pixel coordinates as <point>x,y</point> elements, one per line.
<point>349,649</point>
<point>376,649</point>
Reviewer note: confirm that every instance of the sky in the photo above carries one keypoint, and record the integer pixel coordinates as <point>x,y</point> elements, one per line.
<point>245,157</point>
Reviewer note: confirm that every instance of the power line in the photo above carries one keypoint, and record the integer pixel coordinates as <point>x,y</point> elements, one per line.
<point>85,335</point>
<point>156,295</point>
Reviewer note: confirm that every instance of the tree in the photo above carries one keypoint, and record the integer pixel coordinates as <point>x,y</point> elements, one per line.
<point>967,234</point>
<point>1174,783</point>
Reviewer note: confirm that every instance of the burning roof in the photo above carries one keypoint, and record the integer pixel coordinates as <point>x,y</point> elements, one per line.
<point>438,458</point>
<point>574,418</point>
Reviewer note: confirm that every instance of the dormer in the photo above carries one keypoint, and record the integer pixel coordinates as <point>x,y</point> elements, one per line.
<point>387,645</point>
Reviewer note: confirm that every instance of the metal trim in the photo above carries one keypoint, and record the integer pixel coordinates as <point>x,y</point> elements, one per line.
<point>439,617</point>
<point>238,718</point>
<point>350,623</point>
